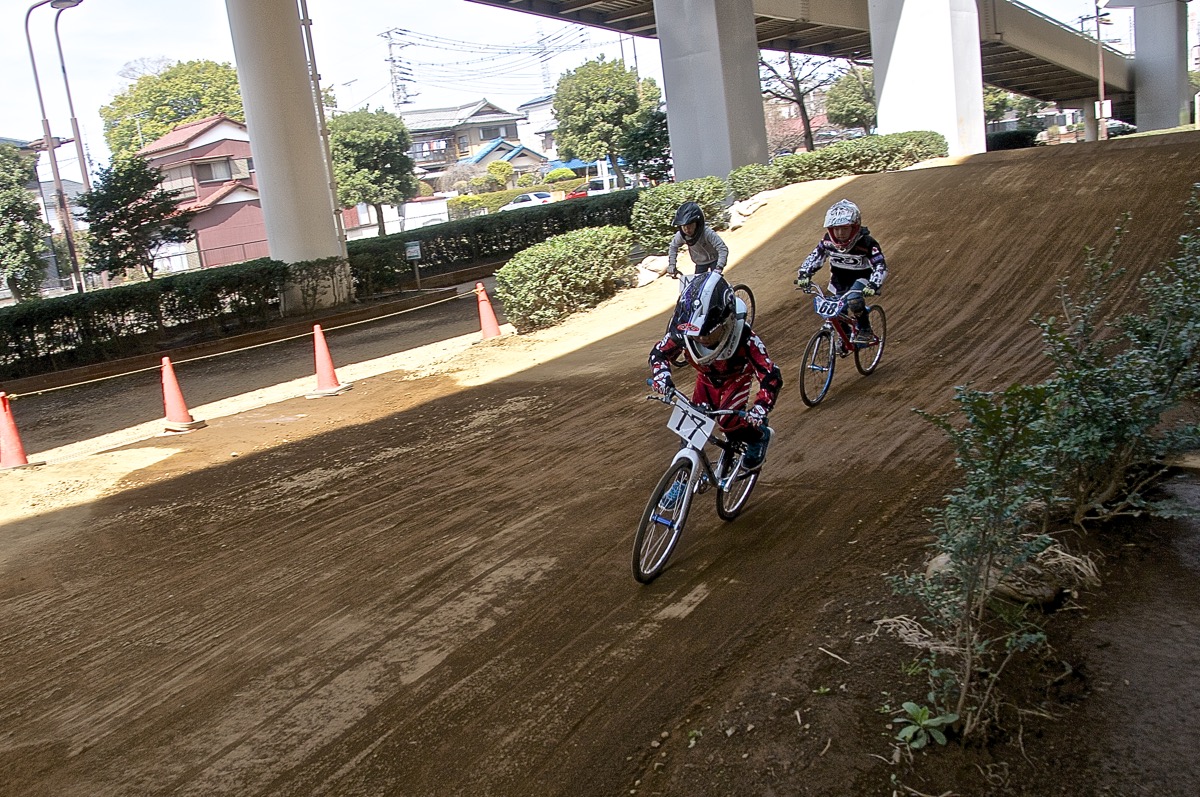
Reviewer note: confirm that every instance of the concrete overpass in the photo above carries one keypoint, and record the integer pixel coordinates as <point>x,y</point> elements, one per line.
<point>930,58</point>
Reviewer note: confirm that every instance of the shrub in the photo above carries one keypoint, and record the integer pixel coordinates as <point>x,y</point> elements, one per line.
<point>747,181</point>
<point>527,179</point>
<point>655,209</point>
<point>1011,139</point>
<point>559,174</point>
<point>542,285</point>
<point>424,189</point>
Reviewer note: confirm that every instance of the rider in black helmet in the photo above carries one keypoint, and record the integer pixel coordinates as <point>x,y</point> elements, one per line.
<point>709,328</point>
<point>705,247</point>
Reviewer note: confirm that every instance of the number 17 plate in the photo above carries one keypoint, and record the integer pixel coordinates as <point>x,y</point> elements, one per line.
<point>693,426</point>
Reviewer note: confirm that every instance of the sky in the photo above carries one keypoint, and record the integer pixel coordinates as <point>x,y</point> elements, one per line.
<point>351,42</point>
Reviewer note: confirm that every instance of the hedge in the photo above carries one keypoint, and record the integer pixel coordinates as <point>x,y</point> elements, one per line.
<point>858,156</point>
<point>126,320</point>
<point>378,265</point>
<point>549,281</point>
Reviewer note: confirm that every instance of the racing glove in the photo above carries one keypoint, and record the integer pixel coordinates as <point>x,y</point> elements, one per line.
<point>672,271</point>
<point>804,282</point>
<point>869,291</point>
<point>757,416</point>
<point>662,383</point>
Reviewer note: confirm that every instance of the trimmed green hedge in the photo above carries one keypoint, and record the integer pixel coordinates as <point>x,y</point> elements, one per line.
<point>1011,139</point>
<point>865,155</point>
<point>143,317</point>
<point>549,281</point>
<point>378,265</point>
<point>461,207</point>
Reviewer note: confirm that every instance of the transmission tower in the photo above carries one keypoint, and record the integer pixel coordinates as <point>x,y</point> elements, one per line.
<point>401,74</point>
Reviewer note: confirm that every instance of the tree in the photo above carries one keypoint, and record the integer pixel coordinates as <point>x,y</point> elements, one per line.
<point>370,160</point>
<point>130,216</point>
<point>851,100</point>
<point>1027,109</point>
<point>996,103</point>
<point>792,78</point>
<point>596,104</point>
<point>159,101</point>
<point>501,171</point>
<point>22,232</point>
<point>646,144</point>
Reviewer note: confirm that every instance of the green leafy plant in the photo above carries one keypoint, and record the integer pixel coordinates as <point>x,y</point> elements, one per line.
<point>921,725</point>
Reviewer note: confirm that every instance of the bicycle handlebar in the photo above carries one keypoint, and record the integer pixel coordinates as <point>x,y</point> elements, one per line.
<point>676,393</point>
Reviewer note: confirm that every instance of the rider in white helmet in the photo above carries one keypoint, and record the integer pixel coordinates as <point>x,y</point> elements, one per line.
<point>853,255</point>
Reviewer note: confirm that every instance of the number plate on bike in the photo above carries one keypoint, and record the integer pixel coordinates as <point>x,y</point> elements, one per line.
<point>827,307</point>
<point>692,425</point>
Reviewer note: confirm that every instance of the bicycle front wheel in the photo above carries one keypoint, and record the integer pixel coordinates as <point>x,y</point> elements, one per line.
<point>662,522</point>
<point>866,358</point>
<point>744,293</point>
<point>732,498</point>
<point>816,372</point>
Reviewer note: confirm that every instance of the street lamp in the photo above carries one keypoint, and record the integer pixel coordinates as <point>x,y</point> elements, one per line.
<point>62,5</point>
<point>1101,118</point>
<point>60,195</point>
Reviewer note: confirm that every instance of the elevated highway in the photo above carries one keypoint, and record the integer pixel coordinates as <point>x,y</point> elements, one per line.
<point>1022,50</point>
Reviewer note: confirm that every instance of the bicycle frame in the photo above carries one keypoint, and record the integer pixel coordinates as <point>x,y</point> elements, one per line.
<point>835,310</point>
<point>697,428</point>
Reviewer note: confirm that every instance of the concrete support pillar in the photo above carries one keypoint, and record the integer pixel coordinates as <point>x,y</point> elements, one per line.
<point>714,102</point>
<point>1091,128</point>
<point>1160,63</point>
<point>928,69</point>
<point>289,158</point>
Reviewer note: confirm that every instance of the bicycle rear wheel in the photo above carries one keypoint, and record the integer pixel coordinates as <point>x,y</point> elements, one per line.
<point>662,523</point>
<point>744,293</point>
<point>731,499</point>
<point>816,372</point>
<point>866,358</point>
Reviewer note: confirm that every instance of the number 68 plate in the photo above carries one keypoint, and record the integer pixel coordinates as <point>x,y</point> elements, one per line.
<point>692,425</point>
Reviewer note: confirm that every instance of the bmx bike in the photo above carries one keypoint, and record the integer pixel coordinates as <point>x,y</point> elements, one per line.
<point>835,339</point>
<point>692,471</point>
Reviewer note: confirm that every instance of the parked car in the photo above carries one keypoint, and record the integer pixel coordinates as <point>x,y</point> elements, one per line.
<point>578,193</point>
<point>528,200</point>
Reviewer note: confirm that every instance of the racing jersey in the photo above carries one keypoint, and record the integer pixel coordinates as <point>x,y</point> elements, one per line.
<point>749,359</point>
<point>863,260</point>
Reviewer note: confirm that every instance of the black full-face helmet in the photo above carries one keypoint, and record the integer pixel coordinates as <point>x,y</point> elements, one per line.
<point>689,213</point>
<point>706,318</point>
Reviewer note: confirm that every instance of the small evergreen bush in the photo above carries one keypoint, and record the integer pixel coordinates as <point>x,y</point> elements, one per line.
<point>559,174</point>
<point>542,285</point>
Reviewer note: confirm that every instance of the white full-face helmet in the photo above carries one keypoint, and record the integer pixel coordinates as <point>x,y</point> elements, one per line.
<point>843,221</point>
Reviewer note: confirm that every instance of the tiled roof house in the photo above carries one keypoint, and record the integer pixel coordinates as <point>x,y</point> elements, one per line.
<point>445,136</point>
<point>209,161</point>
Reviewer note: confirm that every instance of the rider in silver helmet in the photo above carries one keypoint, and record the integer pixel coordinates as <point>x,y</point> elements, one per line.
<point>709,327</point>
<point>853,255</point>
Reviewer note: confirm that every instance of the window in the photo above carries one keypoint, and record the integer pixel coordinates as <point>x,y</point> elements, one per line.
<point>489,133</point>
<point>179,178</point>
<point>213,171</point>
<point>464,142</point>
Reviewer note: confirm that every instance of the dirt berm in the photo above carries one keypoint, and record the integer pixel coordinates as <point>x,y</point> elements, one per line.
<point>422,586</point>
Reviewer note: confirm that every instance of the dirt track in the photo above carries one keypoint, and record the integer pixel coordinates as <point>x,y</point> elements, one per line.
<point>422,586</point>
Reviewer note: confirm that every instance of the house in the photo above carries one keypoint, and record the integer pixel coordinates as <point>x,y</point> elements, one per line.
<point>209,162</point>
<point>522,158</point>
<point>443,137</point>
<point>537,131</point>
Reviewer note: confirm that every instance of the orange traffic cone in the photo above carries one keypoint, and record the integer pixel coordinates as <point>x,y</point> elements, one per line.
<point>327,381</point>
<point>12,453</point>
<point>487,317</point>
<point>178,418</point>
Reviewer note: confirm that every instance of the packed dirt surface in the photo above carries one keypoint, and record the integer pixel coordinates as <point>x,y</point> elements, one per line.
<point>422,586</point>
